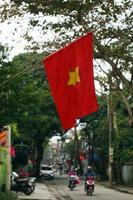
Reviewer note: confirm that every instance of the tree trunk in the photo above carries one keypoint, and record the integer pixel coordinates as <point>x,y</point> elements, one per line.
<point>129,109</point>
<point>39,148</point>
<point>106,55</point>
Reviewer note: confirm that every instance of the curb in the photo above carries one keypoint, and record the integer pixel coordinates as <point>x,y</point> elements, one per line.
<point>123,190</point>
<point>120,189</point>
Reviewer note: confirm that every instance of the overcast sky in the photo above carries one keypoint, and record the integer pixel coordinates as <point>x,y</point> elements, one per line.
<point>16,41</point>
<point>11,33</point>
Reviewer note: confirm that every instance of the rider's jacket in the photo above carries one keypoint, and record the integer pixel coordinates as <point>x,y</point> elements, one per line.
<point>89,173</point>
<point>71,173</point>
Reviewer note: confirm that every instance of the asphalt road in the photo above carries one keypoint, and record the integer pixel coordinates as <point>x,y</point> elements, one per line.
<point>58,187</point>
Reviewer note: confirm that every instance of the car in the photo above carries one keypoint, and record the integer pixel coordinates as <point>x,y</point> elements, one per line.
<point>46,172</point>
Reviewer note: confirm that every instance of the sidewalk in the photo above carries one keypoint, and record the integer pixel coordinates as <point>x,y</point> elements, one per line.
<point>125,189</point>
<point>121,188</point>
<point>41,193</point>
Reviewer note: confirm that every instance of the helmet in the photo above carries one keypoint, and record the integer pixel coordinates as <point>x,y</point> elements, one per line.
<point>89,167</point>
<point>72,168</point>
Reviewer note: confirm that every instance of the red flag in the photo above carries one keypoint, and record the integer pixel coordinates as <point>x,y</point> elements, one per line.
<point>70,75</point>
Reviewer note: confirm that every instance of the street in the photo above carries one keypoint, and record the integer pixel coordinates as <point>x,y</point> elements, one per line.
<point>59,189</point>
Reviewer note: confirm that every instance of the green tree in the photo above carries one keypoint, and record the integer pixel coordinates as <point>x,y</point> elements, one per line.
<point>27,103</point>
<point>110,20</point>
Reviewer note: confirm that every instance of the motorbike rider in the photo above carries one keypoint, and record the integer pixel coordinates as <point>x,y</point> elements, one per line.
<point>89,173</point>
<point>72,172</point>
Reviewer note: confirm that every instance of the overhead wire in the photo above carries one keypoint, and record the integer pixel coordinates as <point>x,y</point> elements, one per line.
<point>18,74</point>
<point>19,19</point>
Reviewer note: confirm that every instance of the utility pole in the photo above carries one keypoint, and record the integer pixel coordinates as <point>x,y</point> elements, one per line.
<point>110,117</point>
<point>8,157</point>
<point>77,150</point>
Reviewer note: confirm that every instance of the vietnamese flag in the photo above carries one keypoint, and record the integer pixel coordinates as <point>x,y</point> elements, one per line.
<point>70,75</point>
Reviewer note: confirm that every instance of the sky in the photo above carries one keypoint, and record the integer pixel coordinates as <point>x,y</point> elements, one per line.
<point>8,38</point>
<point>12,30</point>
<point>18,44</point>
<point>16,41</point>
<point>11,33</point>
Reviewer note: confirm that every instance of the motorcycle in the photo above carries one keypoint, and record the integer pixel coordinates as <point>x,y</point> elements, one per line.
<point>89,185</point>
<point>32,182</point>
<point>25,185</point>
<point>72,183</point>
<point>23,174</point>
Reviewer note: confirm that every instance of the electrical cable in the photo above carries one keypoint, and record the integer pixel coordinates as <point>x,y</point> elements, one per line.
<point>18,74</point>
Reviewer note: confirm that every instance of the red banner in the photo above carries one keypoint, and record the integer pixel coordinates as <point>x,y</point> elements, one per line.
<point>70,75</point>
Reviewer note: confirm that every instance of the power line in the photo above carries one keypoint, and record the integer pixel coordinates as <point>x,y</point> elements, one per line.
<point>18,74</point>
<point>27,19</point>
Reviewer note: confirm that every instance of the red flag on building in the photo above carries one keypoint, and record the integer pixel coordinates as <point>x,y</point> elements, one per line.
<point>70,75</point>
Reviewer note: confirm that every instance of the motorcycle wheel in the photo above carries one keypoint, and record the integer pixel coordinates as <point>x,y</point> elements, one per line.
<point>33,185</point>
<point>72,185</point>
<point>3,188</point>
<point>89,191</point>
<point>27,189</point>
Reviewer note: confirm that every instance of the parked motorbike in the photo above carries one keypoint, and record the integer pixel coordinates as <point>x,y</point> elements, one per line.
<point>33,183</point>
<point>23,174</point>
<point>89,185</point>
<point>72,183</point>
<point>25,185</point>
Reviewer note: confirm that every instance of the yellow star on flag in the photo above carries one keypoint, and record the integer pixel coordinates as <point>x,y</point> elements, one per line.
<point>74,77</point>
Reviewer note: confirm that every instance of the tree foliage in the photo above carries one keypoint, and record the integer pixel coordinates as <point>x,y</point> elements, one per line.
<point>26,99</point>
<point>26,102</point>
<point>110,20</point>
